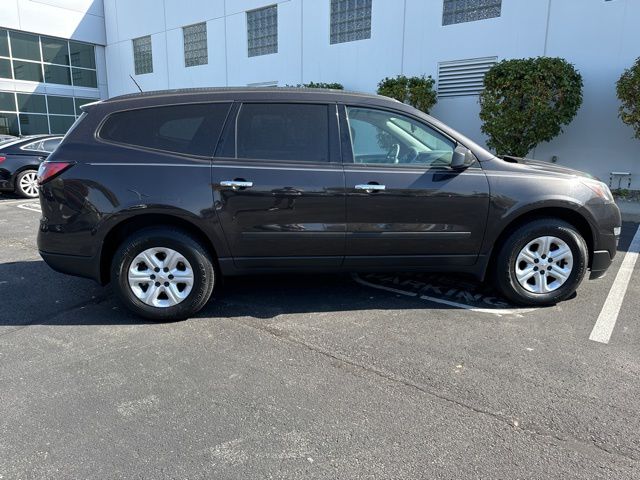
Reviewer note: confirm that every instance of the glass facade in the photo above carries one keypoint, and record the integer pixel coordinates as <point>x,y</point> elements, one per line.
<point>38,58</point>
<point>195,45</point>
<point>461,11</point>
<point>350,20</point>
<point>31,113</point>
<point>262,31</point>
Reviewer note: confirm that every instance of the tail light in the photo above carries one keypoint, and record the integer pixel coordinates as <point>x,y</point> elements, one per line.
<point>2,159</point>
<point>50,170</point>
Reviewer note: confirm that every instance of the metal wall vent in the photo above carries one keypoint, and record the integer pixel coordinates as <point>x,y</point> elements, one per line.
<point>463,77</point>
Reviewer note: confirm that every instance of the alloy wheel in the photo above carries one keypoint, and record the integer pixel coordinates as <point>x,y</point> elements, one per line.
<point>544,265</point>
<point>160,277</point>
<point>28,184</point>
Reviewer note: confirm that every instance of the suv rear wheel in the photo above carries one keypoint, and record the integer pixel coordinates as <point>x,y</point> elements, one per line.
<point>163,274</point>
<point>541,263</point>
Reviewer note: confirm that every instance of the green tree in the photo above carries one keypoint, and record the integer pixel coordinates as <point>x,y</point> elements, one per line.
<point>527,101</point>
<point>332,86</point>
<point>415,91</point>
<point>628,90</point>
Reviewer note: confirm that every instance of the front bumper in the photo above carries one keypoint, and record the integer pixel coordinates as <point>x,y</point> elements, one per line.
<point>600,263</point>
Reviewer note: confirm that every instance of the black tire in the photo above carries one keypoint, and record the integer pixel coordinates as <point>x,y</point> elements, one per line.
<point>505,267</point>
<point>175,239</point>
<point>18,184</point>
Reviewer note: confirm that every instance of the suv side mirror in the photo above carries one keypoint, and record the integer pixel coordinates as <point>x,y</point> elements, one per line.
<point>462,158</point>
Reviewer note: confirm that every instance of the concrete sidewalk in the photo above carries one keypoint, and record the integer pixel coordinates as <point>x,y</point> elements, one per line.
<point>630,210</point>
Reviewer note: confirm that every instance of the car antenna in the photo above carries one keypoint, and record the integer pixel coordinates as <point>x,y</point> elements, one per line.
<point>134,81</point>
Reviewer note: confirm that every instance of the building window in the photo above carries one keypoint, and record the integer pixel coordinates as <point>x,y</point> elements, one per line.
<point>195,45</point>
<point>463,77</point>
<point>350,20</point>
<point>262,31</point>
<point>37,58</point>
<point>461,11</point>
<point>29,114</point>
<point>142,55</point>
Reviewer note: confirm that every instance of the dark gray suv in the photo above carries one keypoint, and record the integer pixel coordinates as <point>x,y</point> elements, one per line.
<point>161,193</point>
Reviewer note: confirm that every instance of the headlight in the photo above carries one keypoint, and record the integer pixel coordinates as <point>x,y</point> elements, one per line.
<point>601,189</point>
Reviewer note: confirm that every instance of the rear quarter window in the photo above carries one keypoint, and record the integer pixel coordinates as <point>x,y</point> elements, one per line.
<point>191,129</point>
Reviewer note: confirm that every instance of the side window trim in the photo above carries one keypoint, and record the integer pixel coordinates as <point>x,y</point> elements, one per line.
<point>231,130</point>
<point>347,143</point>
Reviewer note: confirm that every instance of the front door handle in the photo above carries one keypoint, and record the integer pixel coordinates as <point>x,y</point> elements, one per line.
<point>370,187</point>
<point>236,184</point>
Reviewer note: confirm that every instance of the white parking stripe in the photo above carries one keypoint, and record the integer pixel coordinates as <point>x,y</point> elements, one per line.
<point>494,311</point>
<point>603,328</point>
<point>33,207</point>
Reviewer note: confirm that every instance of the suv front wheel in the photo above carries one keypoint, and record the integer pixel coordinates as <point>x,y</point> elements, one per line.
<point>541,263</point>
<point>163,274</point>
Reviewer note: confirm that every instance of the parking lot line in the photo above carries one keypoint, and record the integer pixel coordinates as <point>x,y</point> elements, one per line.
<point>603,328</point>
<point>33,207</point>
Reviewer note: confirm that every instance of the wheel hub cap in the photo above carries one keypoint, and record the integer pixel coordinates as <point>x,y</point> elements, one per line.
<point>544,264</point>
<point>29,184</point>
<point>160,277</point>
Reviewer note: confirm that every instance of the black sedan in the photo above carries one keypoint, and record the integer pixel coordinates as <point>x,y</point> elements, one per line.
<point>19,162</point>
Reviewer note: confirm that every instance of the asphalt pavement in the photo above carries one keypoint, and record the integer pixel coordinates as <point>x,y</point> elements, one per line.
<point>331,376</point>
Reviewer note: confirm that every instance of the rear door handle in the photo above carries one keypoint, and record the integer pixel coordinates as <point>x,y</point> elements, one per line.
<point>236,184</point>
<point>370,187</point>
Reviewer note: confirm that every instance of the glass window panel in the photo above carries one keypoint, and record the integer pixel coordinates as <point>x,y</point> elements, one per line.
<point>4,43</point>
<point>84,78</point>
<point>9,124</point>
<point>60,124</point>
<point>262,31</point>
<point>83,101</point>
<point>142,55</point>
<point>60,105</point>
<point>31,124</point>
<point>195,45</point>
<point>192,129</point>
<point>25,45</point>
<point>31,103</point>
<point>380,137</point>
<point>7,101</point>
<point>27,71</point>
<point>52,144</point>
<point>82,55</point>
<point>350,20</point>
<point>57,74</point>
<point>5,68</point>
<point>55,51</point>
<point>461,11</point>
<point>293,132</point>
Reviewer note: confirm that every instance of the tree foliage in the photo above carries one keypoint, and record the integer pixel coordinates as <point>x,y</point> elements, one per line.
<point>628,89</point>
<point>527,101</point>
<point>418,92</point>
<point>332,86</point>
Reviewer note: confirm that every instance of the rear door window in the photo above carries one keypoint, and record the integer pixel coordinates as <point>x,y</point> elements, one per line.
<point>283,131</point>
<point>192,129</point>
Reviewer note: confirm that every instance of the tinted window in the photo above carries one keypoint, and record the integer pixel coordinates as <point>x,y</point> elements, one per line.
<point>380,137</point>
<point>283,132</point>
<point>192,129</point>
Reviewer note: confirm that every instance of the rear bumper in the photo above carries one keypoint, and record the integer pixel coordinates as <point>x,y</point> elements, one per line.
<point>86,267</point>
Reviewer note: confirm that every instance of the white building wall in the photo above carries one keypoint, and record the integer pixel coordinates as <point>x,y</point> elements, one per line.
<point>81,20</point>
<point>407,36</point>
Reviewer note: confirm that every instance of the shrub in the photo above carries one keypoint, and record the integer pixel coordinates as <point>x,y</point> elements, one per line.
<point>628,90</point>
<point>527,101</point>
<point>332,86</point>
<point>415,91</point>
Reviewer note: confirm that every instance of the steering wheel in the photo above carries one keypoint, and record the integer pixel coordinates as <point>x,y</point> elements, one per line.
<point>394,152</point>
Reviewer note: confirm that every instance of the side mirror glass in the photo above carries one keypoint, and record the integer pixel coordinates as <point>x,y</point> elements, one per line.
<point>462,158</point>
